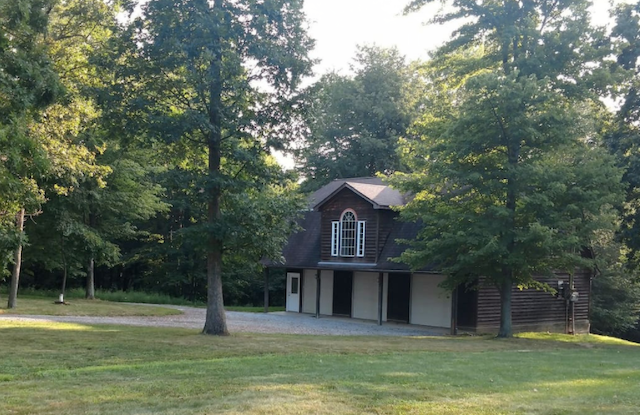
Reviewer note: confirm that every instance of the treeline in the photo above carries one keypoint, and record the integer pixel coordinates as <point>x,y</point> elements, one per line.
<point>136,156</point>
<point>135,152</point>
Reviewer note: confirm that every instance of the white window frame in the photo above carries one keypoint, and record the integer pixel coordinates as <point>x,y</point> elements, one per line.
<point>335,238</point>
<point>360,238</point>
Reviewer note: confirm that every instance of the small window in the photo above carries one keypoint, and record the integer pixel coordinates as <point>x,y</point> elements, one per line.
<point>361,238</point>
<point>294,285</point>
<point>335,238</point>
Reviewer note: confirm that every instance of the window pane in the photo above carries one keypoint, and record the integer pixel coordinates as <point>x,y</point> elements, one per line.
<point>348,237</point>
<point>361,238</point>
<point>335,238</point>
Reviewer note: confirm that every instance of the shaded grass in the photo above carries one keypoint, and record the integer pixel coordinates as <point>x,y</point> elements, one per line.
<point>57,368</point>
<point>252,309</point>
<point>133,297</point>
<point>77,307</point>
<point>115,296</point>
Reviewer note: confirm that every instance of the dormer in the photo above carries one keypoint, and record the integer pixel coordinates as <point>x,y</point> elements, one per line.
<point>356,218</point>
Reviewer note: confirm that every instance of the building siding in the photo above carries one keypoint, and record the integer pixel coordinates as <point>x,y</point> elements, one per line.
<point>332,211</point>
<point>534,309</point>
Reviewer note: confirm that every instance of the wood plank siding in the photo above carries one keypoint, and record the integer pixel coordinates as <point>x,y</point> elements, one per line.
<point>532,309</point>
<point>377,228</point>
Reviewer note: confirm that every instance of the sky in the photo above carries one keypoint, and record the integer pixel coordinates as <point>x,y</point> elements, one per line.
<point>339,26</point>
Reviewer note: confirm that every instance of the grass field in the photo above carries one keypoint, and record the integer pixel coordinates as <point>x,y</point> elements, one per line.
<point>77,369</point>
<point>77,307</point>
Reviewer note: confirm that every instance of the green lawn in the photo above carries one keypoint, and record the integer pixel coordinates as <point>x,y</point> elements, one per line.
<point>76,307</point>
<point>55,368</point>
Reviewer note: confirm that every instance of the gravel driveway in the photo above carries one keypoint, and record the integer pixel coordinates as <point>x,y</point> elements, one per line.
<point>280,322</point>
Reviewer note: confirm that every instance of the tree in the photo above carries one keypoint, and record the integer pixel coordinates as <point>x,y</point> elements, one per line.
<point>70,129</point>
<point>623,139</point>
<point>89,223</point>
<point>27,84</point>
<point>355,121</point>
<point>218,79</point>
<point>615,304</point>
<point>509,177</point>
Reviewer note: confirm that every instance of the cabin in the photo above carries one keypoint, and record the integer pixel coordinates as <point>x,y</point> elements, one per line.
<point>340,264</point>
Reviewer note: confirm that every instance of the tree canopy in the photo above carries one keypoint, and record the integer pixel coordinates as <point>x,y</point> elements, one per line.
<point>136,148</point>
<point>218,81</point>
<point>355,121</point>
<point>509,175</point>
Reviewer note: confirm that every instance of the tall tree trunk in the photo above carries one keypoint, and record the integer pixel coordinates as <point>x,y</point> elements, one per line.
<point>90,292</point>
<point>17,262</point>
<point>506,282</point>
<point>216,321</point>
<point>506,329</point>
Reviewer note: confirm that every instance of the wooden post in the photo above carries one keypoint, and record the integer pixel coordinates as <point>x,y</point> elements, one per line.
<point>380,299</point>
<point>266,289</point>
<point>454,312</point>
<point>318,286</point>
<point>572,304</point>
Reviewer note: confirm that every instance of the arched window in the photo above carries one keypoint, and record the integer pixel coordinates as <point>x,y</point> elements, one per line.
<point>348,236</point>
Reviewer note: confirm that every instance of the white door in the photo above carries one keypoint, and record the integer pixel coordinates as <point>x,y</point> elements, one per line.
<point>293,292</point>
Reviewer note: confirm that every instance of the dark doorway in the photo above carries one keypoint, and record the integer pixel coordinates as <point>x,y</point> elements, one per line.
<point>398,296</point>
<point>342,291</point>
<point>467,306</point>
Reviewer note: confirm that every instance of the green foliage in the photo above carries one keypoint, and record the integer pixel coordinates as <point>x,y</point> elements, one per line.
<point>214,83</point>
<point>464,175</point>
<point>355,121</point>
<point>27,84</point>
<point>43,146</point>
<point>553,40</point>
<point>616,301</point>
<point>623,138</point>
<point>615,304</point>
<point>508,172</point>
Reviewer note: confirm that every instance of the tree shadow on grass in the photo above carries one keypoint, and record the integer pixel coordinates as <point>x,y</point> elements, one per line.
<point>110,369</point>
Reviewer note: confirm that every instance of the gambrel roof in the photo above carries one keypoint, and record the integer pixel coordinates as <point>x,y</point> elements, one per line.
<point>372,189</point>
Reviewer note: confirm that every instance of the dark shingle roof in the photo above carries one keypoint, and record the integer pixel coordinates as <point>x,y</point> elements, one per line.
<point>303,248</point>
<point>372,189</point>
<point>393,249</point>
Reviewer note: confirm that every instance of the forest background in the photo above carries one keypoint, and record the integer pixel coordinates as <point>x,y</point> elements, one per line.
<point>136,154</point>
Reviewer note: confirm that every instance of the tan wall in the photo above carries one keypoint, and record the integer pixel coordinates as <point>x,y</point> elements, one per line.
<point>430,305</point>
<point>326,293</point>
<point>309,291</point>
<point>365,295</point>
